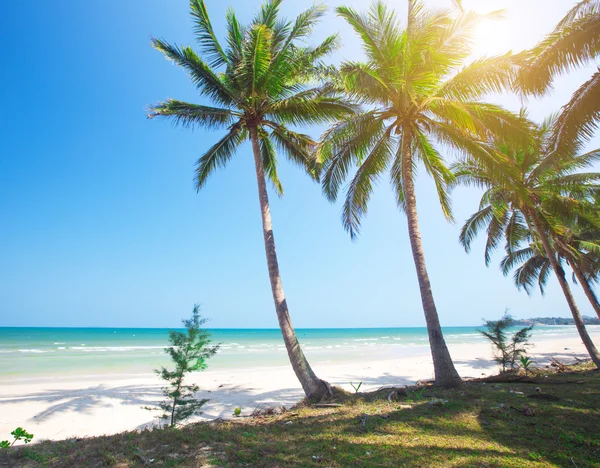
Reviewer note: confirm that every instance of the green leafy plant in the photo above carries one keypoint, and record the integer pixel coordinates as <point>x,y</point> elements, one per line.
<point>18,434</point>
<point>356,387</point>
<point>418,394</point>
<point>507,350</point>
<point>526,363</point>
<point>189,352</point>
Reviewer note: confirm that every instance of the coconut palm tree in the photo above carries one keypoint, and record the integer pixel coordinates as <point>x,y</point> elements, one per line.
<point>527,194</point>
<point>419,98</point>
<point>260,82</point>
<point>574,42</point>
<point>579,251</point>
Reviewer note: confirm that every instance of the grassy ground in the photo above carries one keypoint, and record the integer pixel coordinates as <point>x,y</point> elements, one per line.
<point>474,426</point>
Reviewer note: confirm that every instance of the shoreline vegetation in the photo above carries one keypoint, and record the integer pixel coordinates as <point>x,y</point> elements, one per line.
<point>556,321</point>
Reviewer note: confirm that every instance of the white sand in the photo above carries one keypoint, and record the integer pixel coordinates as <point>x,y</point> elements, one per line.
<point>97,405</point>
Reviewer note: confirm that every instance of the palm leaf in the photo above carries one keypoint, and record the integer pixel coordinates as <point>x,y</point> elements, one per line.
<point>483,76</point>
<point>495,233</point>
<point>219,154</point>
<point>579,118</point>
<point>435,167</point>
<point>256,59</point>
<point>207,82</point>
<point>344,143</point>
<point>473,225</point>
<point>361,187</point>
<point>190,115</point>
<point>269,160</point>
<point>235,37</point>
<point>299,149</point>
<point>567,47</point>
<point>514,258</point>
<point>205,35</point>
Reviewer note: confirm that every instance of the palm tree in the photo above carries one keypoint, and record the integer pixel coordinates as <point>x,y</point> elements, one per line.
<point>526,194</point>
<point>532,266</point>
<point>417,95</point>
<point>261,82</point>
<point>574,42</point>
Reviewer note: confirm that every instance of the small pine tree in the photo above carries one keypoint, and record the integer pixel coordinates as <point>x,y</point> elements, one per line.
<point>189,352</point>
<point>507,350</point>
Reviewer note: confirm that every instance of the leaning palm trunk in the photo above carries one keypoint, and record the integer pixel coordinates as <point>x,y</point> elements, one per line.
<point>585,284</point>
<point>312,385</point>
<point>560,275</point>
<point>445,372</point>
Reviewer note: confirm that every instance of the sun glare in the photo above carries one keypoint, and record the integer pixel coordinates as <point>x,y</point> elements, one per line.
<point>495,36</point>
<point>492,37</point>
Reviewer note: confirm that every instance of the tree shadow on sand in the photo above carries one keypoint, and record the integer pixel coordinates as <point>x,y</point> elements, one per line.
<point>85,400</point>
<point>402,433</point>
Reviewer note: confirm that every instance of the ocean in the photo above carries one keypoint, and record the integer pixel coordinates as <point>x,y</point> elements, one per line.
<point>37,353</point>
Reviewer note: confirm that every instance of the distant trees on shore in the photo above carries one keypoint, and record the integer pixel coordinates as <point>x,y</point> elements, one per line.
<point>556,321</point>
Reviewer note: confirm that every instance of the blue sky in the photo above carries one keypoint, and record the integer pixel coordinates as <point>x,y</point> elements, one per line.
<point>101,225</point>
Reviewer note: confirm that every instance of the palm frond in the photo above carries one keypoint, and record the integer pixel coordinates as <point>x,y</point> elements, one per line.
<point>269,160</point>
<point>580,9</point>
<point>514,258</point>
<point>207,82</point>
<point>361,187</point>
<point>435,167</point>
<point>579,118</point>
<point>219,154</point>
<point>299,148</point>
<point>396,176</point>
<point>190,115</point>
<point>302,27</point>
<point>235,37</point>
<point>364,82</point>
<point>543,276</point>
<point>367,28</point>
<point>483,76</point>
<point>516,231</point>
<point>256,59</point>
<point>487,156</point>
<point>528,273</point>
<point>495,232</point>
<point>268,13</point>
<point>574,180</point>
<point>564,49</point>
<point>313,106</point>
<point>473,225</point>
<point>346,142</point>
<point>205,35</point>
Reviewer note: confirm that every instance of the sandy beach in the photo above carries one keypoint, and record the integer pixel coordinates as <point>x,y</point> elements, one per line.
<point>61,407</point>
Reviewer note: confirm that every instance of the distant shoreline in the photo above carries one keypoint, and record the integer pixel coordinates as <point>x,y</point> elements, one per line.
<point>518,322</point>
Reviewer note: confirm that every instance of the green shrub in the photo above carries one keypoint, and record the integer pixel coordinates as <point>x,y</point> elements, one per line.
<point>189,352</point>
<point>506,350</point>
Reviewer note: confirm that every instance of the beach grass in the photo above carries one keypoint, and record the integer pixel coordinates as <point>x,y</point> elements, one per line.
<point>479,425</point>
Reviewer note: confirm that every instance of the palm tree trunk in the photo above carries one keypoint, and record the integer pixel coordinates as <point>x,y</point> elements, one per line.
<point>560,275</point>
<point>445,372</point>
<point>312,385</point>
<point>585,285</point>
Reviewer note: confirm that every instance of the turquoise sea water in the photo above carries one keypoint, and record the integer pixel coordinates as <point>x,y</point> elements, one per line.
<point>32,353</point>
